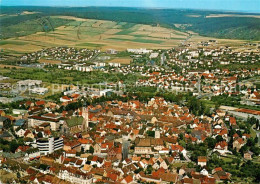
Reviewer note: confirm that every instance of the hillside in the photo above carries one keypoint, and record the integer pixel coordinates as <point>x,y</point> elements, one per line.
<point>88,33</point>
<point>207,23</point>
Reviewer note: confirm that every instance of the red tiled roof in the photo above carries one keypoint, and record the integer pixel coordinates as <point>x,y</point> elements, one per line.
<point>202,159</point>
<point>177,148</point>
<point>128,179</point>
<point>38,103</point>
<point>66,98</point>
<point>112,176</point>
<point>232,121</point>
<point>218,169</point>
<point>248,111</point>
<point>30,171</point>
<point>22,148</point>
<point>222,144</point>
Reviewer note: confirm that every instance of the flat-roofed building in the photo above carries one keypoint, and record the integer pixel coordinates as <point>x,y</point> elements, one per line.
<point>49,145</point>
<point>54,120</point>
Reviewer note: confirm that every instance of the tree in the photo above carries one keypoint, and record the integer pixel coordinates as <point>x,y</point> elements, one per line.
<point>182,143</point>
<point>255,150</point>
<point>217,105</point>
<point>188,129</point>
<point>150,133</point>
<point>210,142</point>
<point>250,142</point>
<point>138,170</point>
<point>91,149</point>
<point>252,120</point>
<point>256,140</point>
<point>191,165</point>
<point>39,135</point>
<point>13,146</point>
<point>18,175</point>
<point>198,150</point>
<point>149,169</point>
<point>219,138</point>
<point>181,136</point>
<point>243,149</point>
<point>207,111</point>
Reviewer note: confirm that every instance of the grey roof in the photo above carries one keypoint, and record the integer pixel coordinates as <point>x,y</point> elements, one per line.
<point>2,119</point>
<point>19,122</point>
<point>5,134</point>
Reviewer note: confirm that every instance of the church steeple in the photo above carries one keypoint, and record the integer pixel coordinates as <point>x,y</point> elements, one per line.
<point>157,132</point>
<point>85,123</point>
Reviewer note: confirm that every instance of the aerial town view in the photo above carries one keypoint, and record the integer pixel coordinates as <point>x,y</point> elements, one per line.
<point>130,91</point>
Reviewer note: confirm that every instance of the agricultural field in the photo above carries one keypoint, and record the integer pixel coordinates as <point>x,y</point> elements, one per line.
<point>121,60</point>
<point>230,15</point>
<point>9,66</point>
<point>96,34</point>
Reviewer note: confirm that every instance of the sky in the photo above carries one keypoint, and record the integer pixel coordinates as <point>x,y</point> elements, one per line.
<point>227,5</point>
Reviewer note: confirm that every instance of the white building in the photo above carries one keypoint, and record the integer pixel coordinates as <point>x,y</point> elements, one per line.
<point>100,64</point>
<point>49,145</point>
<point>139,51</point>
<point>154,55</point>
<point>114,64</point>
<point>20,133</point>
<point>19,111</point>
<point>29,83</point>
<point>32,154</point>
<point>75,176</point>
<point>111,51</point>
<point>39,91</point>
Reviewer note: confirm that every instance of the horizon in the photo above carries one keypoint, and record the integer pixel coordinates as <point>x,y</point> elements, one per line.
<point>152,8</point>
<point>243,6</point>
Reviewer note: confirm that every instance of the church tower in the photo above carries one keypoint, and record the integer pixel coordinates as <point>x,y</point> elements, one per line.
<point>157,133</point>
<point>85,123</point>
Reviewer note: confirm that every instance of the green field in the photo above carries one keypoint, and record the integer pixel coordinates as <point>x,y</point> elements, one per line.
<point>140,40</point>
<point>5,42</point>
<point>90,45</point>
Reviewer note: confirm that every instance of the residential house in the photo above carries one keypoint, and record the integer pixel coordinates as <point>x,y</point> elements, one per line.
<point>238,143</point>
<point>75,176</point>
<point>248,155</point>
<point>20,123</point>
<point>221,147</point>
<point>20,132</point>
<point>114,154</point>
<point>202,161</point>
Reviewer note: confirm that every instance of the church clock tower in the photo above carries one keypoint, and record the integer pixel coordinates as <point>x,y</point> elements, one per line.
<point>157,133</point>
<point>85,123</point>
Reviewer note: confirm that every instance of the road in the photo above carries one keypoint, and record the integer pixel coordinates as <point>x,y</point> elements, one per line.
<point>94,57</point>
<point>244,116</point>
<point>188,37</point>
<point>257,133</point>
